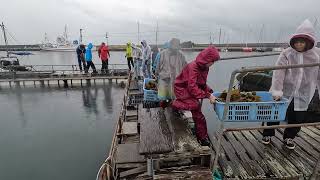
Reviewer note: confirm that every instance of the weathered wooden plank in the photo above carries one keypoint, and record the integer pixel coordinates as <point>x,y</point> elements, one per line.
<point>261,150</point>
<point>128,153</point>
<point>314,129</point>
<point>312,134</point>
<point>313,143</point>
<point>184,172</point>
<point>255,158</point>
<point>130,113</point>
<point>292,161</point>
<point>182,137</point>
<point>155,136</point>
<point>129,128</point>
<point>247,145</point>
<point>129,165</point>
<point>277,168</point>
<point>225,165</point>
<point>133,171</point>
<point>236,162</point>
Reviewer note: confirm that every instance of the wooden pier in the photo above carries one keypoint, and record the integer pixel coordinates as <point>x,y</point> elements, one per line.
<point>159,144</point>
<point>19,79</point>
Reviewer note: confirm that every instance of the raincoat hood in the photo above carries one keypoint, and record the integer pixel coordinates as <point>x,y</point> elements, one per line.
<point>144,43</point>
<point>90,46</point>
<point>207,56</point>
<point>166,45</point>
<point>128,44</point>
<point>305,31</point>
<point>174,44</point>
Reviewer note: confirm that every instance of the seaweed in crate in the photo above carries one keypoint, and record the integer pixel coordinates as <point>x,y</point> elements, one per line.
<point>151,85</point>
<point>237,96</point>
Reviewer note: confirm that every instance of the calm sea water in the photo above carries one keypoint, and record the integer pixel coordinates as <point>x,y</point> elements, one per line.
<point>65,134</point>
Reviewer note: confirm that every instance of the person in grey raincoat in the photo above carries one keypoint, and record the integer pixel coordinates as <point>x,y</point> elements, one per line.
<point>170,65</point>
<point>298,84</point>
<point>137,59</point>
<point>146,59</point>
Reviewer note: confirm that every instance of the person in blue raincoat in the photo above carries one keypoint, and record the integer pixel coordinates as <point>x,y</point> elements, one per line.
<point>89,59</point>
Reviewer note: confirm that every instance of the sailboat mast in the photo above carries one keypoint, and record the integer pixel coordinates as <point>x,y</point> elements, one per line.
<point>5,38</point>
<point>157,35</point>
<point>80,40</point>
<point>138,32</point>
<point>219,35</point>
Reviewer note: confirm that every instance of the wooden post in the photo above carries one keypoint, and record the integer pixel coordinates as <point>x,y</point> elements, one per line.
<point>48,83</point>
<point>34,83</point>
<point>42,83</point>
<point>58,83</point>
<point>24,84</point>
<point>81,82</point>
<point>17,83</point>
<point>10,84</point>
<point>88,82</point>
<point>116,81</point>
<point>71,82</point>
<point>65,83</point>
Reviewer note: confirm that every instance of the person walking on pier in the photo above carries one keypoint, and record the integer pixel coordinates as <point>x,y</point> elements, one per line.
<point>81,50</point>
<point>129,55</point>
<point>170,65</point>
<point>137,56</point>
<point>146,59</point>
<point>104,55</point>
<point>89,59</point>
<point>190,87</point>
<point>298,84</point>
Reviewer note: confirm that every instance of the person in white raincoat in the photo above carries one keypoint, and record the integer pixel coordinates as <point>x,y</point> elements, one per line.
<point>170,65</point>
<point>137,59</point>
<point>146,59</point>
<point>299,84</point>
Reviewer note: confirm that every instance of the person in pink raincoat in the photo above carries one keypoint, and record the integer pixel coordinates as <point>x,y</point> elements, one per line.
<point>191,86</point>
<point>298,84</point>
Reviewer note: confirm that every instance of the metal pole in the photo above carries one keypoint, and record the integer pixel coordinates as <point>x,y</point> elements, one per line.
<point>226,108</point>
<point>5,38</point>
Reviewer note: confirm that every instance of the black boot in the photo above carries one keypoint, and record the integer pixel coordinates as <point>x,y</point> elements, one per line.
<point>205,142</point>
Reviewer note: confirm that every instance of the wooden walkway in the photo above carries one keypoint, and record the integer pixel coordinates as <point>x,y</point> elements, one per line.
<point>243,156</point>
<point>65,79</point>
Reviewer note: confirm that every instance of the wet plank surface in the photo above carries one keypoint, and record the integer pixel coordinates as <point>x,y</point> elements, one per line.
<point>155,136</point>
<point>128,153</point>
<point>243,155</point>
<point>129,128</point>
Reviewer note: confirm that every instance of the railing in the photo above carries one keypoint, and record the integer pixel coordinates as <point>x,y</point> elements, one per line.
<point>222,129</point>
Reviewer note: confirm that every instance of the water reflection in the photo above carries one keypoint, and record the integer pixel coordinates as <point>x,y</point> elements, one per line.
<point>90,100</point>
<point>107,102</point>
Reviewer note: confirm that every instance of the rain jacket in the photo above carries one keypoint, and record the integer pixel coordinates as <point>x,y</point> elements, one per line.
<point>191,84</point>
<point>146,51</point>
<point>89,52</point>
<point>299,83</point>
<point>169,67</point>
<point>80,51</point>
<point>104,53</point>
<point>157,59</point>
<point>129,50</point>
<point>137,52</point>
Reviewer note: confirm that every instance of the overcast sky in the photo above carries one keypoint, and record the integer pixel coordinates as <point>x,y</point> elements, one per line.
<point>239,20</point>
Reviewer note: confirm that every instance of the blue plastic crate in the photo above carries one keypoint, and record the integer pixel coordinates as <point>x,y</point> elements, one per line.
<point>264,111</point>
<point>149,95</point>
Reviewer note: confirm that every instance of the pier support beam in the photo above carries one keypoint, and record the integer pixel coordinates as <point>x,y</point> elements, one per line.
<point>42,83</point>
<point>88,82</point>
<point>65,83</point>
